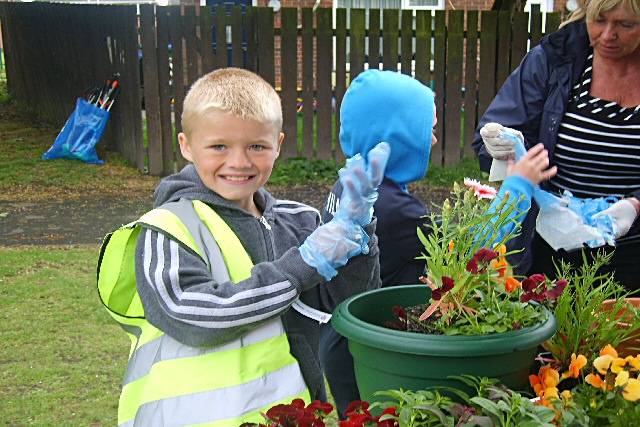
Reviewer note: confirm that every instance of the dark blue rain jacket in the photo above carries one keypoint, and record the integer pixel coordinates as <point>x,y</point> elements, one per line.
<point>533,100</point>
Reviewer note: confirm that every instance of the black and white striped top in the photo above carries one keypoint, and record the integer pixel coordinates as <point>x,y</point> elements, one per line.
<point>598,149</point>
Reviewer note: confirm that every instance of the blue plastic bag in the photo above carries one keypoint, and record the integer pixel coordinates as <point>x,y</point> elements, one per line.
<point>80,134</point>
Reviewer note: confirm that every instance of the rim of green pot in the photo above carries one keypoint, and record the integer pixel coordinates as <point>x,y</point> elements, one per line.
<point>380,337</point>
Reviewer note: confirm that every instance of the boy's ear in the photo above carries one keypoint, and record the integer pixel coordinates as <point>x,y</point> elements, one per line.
<point>280,142</point>
<point>185,148</point>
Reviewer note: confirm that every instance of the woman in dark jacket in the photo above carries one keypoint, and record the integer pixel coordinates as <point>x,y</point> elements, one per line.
<point>578,94</point>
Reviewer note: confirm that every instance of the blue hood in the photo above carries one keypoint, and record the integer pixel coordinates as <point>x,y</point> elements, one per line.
<point>392,107</point>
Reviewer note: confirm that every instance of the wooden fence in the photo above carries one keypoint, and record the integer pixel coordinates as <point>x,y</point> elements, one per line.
<point>464,56</point>
<point>54,52</point>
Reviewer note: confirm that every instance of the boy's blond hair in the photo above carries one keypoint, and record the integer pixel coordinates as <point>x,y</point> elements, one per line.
<point>235,91</point>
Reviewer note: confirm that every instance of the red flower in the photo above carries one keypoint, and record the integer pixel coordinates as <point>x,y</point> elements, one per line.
<point>537,288</point>
<point>447,285</point>
<point>357,407</point>
<point>480,260</point>
<point>319,408</point>
<point>388,422</point>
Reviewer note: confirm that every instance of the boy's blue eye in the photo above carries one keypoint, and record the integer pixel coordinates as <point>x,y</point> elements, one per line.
<point>217,147</point>
<point>256,147</point>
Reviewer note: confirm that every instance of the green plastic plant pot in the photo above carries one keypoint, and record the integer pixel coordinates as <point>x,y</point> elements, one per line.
<point>390,359</point>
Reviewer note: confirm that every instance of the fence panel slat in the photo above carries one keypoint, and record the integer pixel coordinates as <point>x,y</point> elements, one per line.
<point>406,41</point>
<point>131,97</point>
<point>487,82</point>
<point>356,43</point>
<point>206,39</point>
<point>340,72</point>
<point>151,91</point>
<point>165,90</point>
<point>374,38</point>
<point>390,39</point>
<point>250,32</point>
<point>504,46</point>
<point>179,74</point>
<point>552,22</point>
<point>266,60</point>
<point>453,89</point>
<point>236,37</point>
<point>437,151</point>
<point>423,46</point>
<point>519,38</point>
<point>324,42</point>
<point>307,83</point>
<point>220,24</point>
<point>535,25</point>
<point>289,78</point>
<point>191,43</point>
<point>471,87</point>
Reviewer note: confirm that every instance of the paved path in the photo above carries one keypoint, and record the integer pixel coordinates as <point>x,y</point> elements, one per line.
<point>86,220</point>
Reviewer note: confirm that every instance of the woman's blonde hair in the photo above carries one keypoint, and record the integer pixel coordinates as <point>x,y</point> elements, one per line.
<point>235,91</point>
<point>591,9</point>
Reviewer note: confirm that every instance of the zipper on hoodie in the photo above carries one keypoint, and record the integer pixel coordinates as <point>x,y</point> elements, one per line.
<point>264,222</point>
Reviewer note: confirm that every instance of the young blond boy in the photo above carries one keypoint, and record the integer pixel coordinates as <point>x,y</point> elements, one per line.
<point>204,284</point>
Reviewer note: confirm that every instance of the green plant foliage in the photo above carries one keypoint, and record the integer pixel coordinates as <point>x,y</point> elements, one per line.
<point>583,327</point>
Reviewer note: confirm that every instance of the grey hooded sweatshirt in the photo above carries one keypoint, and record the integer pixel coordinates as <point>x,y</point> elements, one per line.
<point>199,312</point>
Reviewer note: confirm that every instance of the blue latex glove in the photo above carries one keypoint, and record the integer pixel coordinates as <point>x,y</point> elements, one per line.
<point>360,183</point>
<point>331,245</point>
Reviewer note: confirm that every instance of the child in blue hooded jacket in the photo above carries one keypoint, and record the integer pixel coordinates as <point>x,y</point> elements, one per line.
<point>395,108</point>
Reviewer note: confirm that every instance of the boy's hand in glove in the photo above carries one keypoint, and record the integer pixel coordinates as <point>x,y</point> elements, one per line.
<point>623,213</point>
<point>331,245</point>
<point>360,184</point>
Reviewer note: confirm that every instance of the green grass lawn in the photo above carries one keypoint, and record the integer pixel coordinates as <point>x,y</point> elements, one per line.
<point>62,356</point>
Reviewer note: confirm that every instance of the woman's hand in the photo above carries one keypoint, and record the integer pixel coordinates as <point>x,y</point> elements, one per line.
<point>533,166</point>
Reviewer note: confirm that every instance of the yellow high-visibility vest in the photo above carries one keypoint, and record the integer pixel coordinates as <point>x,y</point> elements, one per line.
<point>169,383</point>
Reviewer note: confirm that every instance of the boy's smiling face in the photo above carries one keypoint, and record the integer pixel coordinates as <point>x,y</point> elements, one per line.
<point>233,156</point>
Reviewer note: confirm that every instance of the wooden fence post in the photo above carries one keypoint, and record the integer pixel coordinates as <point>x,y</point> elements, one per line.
<point>307,84</point>
<point>470,83</point>
<point>453,88</point>
<point>151,89</point>
<point>356,43</point>
<point>390,39</point>
<point>289,78</point>
<point>324,31</point>
<point>340,73</point>
<point>437,152</point>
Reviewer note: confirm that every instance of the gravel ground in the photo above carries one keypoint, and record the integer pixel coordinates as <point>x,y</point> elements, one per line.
<point>85,220</point>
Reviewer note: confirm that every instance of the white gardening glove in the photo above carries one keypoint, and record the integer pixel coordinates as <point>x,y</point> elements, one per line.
<point>623,213</point>
<point>497,142</point>
<point>500,144</point>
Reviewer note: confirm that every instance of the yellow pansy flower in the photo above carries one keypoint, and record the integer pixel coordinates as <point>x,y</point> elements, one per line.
<point>631,391</point>
<point>634,362</point>
<point>622,378</point>
<point>617,365</point>
<point>603,363</point>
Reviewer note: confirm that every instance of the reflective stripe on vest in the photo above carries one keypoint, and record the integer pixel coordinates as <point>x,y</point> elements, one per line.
<point>169,383</point>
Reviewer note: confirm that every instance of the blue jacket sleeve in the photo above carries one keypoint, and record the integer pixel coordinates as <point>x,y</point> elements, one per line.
<point>518,104</point>
<point>518,190</point>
